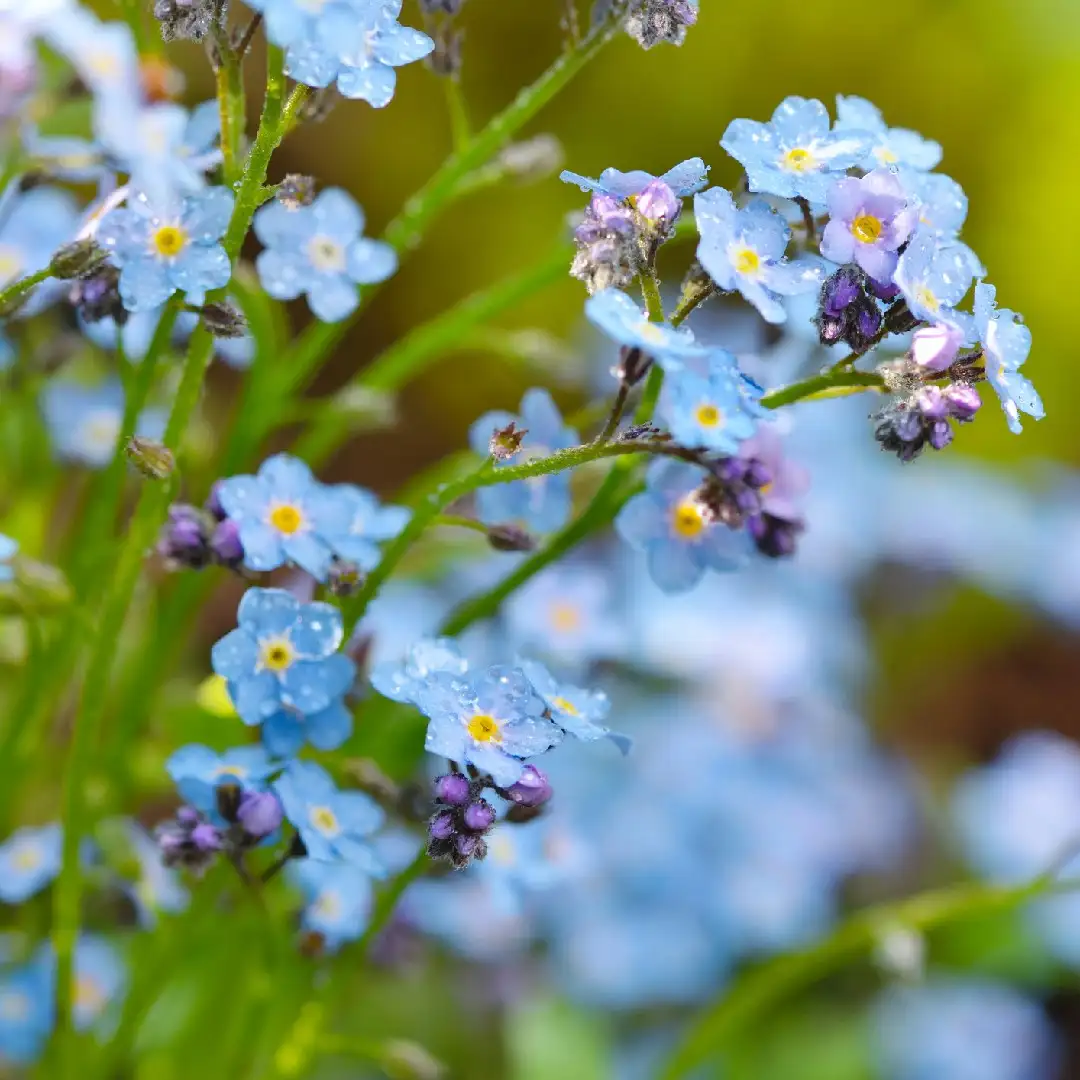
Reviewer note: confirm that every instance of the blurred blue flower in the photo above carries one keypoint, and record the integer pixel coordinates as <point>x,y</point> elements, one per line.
<point>743,248</point>
<point>318,251</point>
<point>26,1013</point>
<point>99,978</point>
<point>795,154</point>
<point>337,898</point>
<point>34,225</point>
<point>84,422</point>
<point>541,503</point>
<point>368,524</point>
<point>626,324</point>
<point>169,245</point>
<point>709,411</point>
<point>103,54</point>
<point>198,771</point>
<point>684,179</point>
<point>963,1029</point>
<point>889,146</point>
<point>285,515</point>
<point>406,680</point>
<point>934,275</point>
<point>1006,342</point>
<point>675,530</point>
<point>491,719</point>
<point>334,825</point>
<point>29,859</point>
<point>283,654</point>
<point>157,887</point>
<point>8,549</point>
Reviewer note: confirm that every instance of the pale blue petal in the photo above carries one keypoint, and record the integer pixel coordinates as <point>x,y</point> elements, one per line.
<point>331,297</point>
<point>374,83</point>
<point>235,656</point>
<point>371,261</point>
<point>262,546</point>
<point>267,611</point>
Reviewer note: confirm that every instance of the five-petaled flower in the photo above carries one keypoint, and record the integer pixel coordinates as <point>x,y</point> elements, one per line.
<point>1006,342</point>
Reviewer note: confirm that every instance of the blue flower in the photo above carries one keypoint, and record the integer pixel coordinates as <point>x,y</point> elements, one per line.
<point>1006,342</point>
<point>98,979</point>
<point>684,179</point>
<point>795,155</point>
<point>33,226</point>
<point>103,54</point>
<point>368,523</point>
<point>576,711</point>
<point>198,771</point>
<point>283,654</point>
<point>709,411</point>
<point>332,25</point>
<point>318,250</point>
<point>744,249</point>
<point>29,859</point>
<point>942,209</point>
<point>285,515</point>
<point>541,503</point>
<point>889,146</point>
<point>157,888</point>
<point>84,422</point>
<point>166,150</point>
<point>334,825</point>
<point>934,275</point>
<point>26,1013</point>
<point>492,719</point>
<point>405,681</point>
<point>169,245</point>
<point>675,530</point>
<point>625,323</point>
<point>338,899</point>
<point>367,71</point>
<point>8,549</point>
<point>287,729</point>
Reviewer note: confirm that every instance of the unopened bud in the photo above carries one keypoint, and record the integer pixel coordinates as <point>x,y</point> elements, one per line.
<point>79,259</point>
<point>296,190</point>
<point>506,442</point>
<point>223,320</point>
<point>344,578</point>
<point>534,159</point>
<point>153,459</point>
<point>510,538</point>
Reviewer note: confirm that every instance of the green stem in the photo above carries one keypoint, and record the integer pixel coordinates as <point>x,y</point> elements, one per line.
<point>752,998</point>
<point>230,94</point>
<point>459,116</point>
<point>650,290</point>
<point>459,521</point>
<point>819,384</point>
<point>18,289</point>
<point>407,229</point>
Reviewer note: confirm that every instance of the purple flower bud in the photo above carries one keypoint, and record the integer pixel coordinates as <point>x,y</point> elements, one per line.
<point>931,402</point>
<point>830,329</point>
<point>840,290</point>
<point>479,816</point>
<point>610,214</point>
<point>467,846</point>
<point>184,539</point>
<point>213,503</point>
<point>259,814</point>
<point>867,322</point>
<point>757,473</point>
<point>941,434</point>
<point>531,789</point>
<point>442,826</point>
<point>206,837</point>
<point>934,348</point>
<point>453,789</point>
<point>964,401</point>
<point>883,290</point>
<point>658,205</point>
<point>188,816</point>
<point>908,425</point>
<point>225,543</point>
<point>775,537</point>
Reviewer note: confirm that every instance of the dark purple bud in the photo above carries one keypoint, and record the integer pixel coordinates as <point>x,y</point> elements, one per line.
<point>909,425</point>
<point>757,473</point>
<point>213,503</point>
<point>442,826</point>
<point>188,816</point>
<point>225,543</point>
<point>453,789</point>
<point>467,845</point>
<point>510,538</point>
<point>867,323</point>
<point>479,816</point>
<point>98,297</point>
<point>729,470</point>
<point>931,402</point>
<point>611,214</point>
<point>883,290</point>
<point>531,789</point>
<point>259,813</point>
<point>747,500</point>
<point>964,401</point>
<point>831,329</point>
<point>658,205</point>
<point>774,536</point>
<point>840,290</point>
<point>184,540</point>
<point>206,837</point>
<point>941,434</point>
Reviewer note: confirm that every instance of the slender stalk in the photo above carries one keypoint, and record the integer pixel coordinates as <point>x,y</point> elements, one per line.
<point>459,521</point>
<point>459,116</point>
<point>752,998</point>
<point>650,290</point>
<point>821,384</point>
<point>14,292</point>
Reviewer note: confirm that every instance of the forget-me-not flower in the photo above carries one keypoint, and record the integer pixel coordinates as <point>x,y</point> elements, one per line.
<point>98,979</point>
<point>795,155</point>
<point>406,680</point>
<point>1006,342</point>
<point>675,530</point>
<point>889,146</point>
<point>26,1012</point>
<point>368,524</point>
<point>708,409</point>
<point>285,515</point>
<point>283,654</point>
<point>870,219</point>
<point>333,824</point>
<point>8,550</point>
<point>33,226</point>
<point>540,503</point>
<point>169,245</point>
<point>287,729</point>
<point>934,275</point>
<point>318,251</point>
<point>199,771</point>
<point>29,859</point>
<point>684,179</point>
<point>338,899</point>
<point>157,887</point>
<point>491,719</point>
<point>744,249</point>
<point>625,323</point>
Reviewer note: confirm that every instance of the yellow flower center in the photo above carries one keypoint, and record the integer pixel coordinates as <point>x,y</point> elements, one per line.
<point>886,156</point>
<point>231,770</point>
<point>866,228</point>
<point>169,241</point>
<point>326,255</point>
<point>27,858</point>
<point>565,706</point>
<point>89,997</point>
<point>688,519</point>
<point>287,519</point>
<point>799,159</point>
<point>651,332</point>
<point>708,415</point>
<point>325,820</point>
<point>927,299</point>
<point>328,906</point>
<point>565,618</point>
<point>277,654</point>
<point>484,728</point>
<point>746,261</point>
